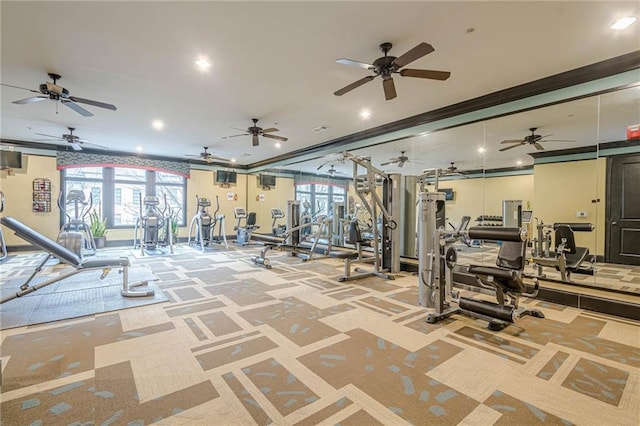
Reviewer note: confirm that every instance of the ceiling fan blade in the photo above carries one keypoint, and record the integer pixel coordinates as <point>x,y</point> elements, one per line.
<point>269,130</point>
<point>50,136</point>
<point>538,146</point>
<point>345,61</point>
<point>77,108</point>
<point>18,87</point>
<point>31,100</point>
<point>388,162</point>
<point>400,164</point>
<point>558,140</point>
<point>389,89</point>
<point>93,103</point>
<point>93,145</point>
<point>354,85</point>
<point>416,53</point>
<point>241,130</point>
<point>76,146</point>
<point>431,74</point>
<point>509,147</point>
<point>216,158</point>
<point>280,138</point>
<point>255,140</point>
<point>234,136</point>
<point>513,141</point>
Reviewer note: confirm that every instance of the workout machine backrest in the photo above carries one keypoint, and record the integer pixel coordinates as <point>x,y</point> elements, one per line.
<point>512,255</point>
<point>39,240</point>
<point>251,219</point>
<point>565,234</point>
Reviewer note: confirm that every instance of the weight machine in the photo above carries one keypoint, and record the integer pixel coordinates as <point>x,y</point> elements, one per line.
<point>386,238</point>
<point>565,257</point>
<point>153,227</point>
<point>75,234</point>
<point>205,225</point>
<point>437,260</point>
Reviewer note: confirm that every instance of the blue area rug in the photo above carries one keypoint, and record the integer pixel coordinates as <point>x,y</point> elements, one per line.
<point>80,295</point>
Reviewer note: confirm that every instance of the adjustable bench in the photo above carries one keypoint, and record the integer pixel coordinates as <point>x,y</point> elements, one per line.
<point>567,257</point>
<point>67,256</point>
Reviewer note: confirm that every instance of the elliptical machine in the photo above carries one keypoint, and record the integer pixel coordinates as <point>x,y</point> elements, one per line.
<point>205,225</point>
<point>75,234</point>
<point>277,229</point>
<point>153,227</point>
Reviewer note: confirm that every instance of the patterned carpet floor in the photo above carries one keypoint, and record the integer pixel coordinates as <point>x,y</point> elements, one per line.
<point>240,345</point>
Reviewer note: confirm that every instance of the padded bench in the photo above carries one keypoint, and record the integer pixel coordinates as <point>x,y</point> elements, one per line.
<point>70,258</point>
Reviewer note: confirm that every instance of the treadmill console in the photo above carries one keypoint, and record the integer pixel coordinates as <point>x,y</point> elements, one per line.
<point>240,213</point>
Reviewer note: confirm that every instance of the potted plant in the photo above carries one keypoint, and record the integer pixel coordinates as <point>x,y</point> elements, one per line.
<point>98,228</point>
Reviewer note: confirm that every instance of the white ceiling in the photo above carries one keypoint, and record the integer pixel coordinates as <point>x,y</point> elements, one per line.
<point>276,61</point>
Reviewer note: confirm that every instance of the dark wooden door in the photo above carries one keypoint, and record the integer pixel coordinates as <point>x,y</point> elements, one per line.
<point>623,207</point>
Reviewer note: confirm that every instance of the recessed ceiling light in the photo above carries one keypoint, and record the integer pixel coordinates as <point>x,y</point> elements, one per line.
<point>139,148</point>
<point>623,23</point>
<point>202,63</point>
<point>365,114</point>
<point>481,150</point>
<point>233,160</point>
<point>278,144</point>
<point>519,162</point>
<point>157,124</point>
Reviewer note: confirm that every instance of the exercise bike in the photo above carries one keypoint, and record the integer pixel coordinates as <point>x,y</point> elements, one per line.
<point>152,229</point>
<point>204,225</point>
<point>244,232</point>
<point>75,234</point>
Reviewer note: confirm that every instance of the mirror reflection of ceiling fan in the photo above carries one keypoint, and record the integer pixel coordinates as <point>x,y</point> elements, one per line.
<point>385,66</point>
<point>399,161</point>
<point>207,156</point>
<point>332,171</point>
<point>58,93</point>
<point>256,131</point>
<point>73,140</point>
<point>532,139</point>
<point>452,170</point>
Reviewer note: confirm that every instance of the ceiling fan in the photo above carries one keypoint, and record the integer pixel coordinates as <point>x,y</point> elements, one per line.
<point>532,139</point>
<point>58,93</point>
<point>398,161</point>
<point>207,156</point>
<point>256,131</point>
<point>385,66</point>
<point>75,141</point>
<point>332,171</point>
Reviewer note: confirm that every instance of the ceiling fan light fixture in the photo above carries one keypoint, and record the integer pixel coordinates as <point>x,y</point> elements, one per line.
<point>623,23</point>
<point>202,64</point>
<point>157,124</point>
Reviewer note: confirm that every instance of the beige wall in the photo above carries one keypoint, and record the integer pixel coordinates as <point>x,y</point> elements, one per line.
<point>475,197</point>
<point>562,189</point>
<point>275,197</point>
<point>17,187</point>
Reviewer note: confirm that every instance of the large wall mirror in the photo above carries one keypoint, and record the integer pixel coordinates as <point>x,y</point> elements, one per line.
<point>555,163</point>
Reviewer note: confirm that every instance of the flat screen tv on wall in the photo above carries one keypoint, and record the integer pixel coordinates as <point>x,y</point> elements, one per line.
<point>267,180</point>
<point>10,160</point>
<point>225,176</point>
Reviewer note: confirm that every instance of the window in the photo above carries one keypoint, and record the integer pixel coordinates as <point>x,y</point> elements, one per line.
<point>318,199</point>
<point>118,191</point>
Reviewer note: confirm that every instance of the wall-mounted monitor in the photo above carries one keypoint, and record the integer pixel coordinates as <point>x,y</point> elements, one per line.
<point>10,160</point>
<point>226,177</point>
<point>267,180</point>
<point>448,193</point>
